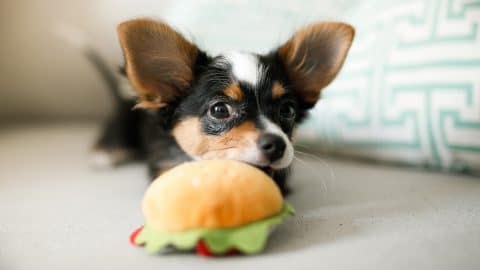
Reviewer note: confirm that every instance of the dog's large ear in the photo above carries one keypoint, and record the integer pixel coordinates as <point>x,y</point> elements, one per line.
<point>159,61</point>
<point>314,56</point>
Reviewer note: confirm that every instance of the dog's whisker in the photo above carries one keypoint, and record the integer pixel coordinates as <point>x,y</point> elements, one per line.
<point>319,159</point>
<point>311,171</point>
<point>306,147</point>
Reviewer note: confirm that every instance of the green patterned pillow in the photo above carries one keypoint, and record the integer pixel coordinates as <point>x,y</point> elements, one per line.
<point>410,89</point>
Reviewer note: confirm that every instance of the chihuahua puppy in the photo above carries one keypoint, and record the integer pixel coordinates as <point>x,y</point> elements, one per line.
<point>238,105</point>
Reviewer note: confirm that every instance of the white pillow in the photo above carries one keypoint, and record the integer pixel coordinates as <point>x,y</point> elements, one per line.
<point>255,26</point>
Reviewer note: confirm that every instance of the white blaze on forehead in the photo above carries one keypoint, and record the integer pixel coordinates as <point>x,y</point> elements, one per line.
<point>273,128</point>
<point>245,67</point>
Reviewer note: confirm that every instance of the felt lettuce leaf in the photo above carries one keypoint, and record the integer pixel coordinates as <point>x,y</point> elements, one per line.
<point>248,239</point>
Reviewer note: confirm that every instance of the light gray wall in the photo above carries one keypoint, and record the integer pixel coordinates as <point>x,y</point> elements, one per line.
<point>42,76</point>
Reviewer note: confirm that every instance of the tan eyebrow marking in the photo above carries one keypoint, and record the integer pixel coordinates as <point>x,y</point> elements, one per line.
<point>234,92</point>
<point>277,90</point>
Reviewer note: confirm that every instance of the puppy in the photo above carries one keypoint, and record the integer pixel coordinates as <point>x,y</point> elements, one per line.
<point>238,105</point>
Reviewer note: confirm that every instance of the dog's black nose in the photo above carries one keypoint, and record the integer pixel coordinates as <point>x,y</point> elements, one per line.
<point>273,146</point>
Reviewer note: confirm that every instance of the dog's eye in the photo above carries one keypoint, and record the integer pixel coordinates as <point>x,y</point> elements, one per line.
<point>287,111</point>
<point>220,110</point>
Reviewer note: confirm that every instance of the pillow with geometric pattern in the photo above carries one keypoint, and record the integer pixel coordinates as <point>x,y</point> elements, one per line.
<point>409,91</point>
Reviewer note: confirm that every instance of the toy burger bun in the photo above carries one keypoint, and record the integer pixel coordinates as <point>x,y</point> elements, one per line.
<point>215,206</point>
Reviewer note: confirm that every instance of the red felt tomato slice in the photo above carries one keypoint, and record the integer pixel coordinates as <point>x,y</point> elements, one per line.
<point>202,249</point>
<point>134,235</point>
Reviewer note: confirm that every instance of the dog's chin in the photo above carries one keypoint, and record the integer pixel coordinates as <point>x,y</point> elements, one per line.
<point>261,164</point>
<point>266,167</point>
<point>268,170</point>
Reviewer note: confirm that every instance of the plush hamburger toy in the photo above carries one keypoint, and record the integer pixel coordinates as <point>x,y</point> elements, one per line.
<point>214,206</point>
